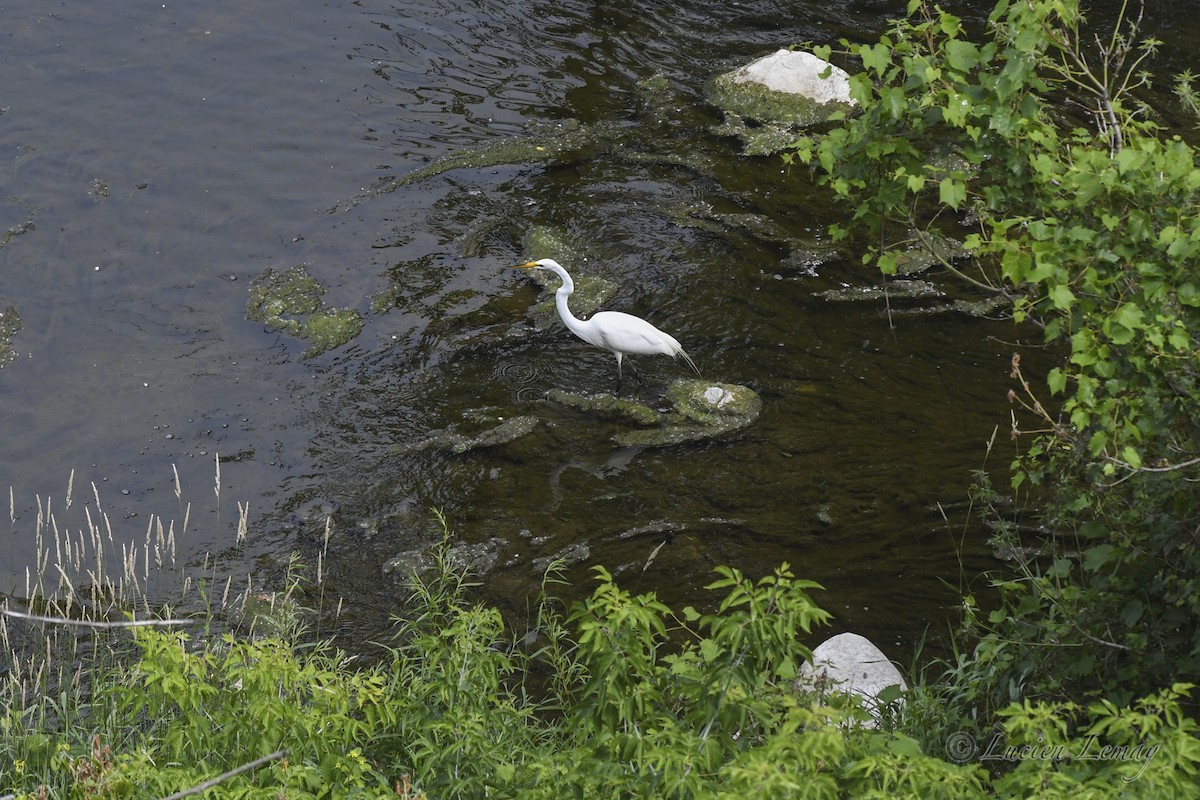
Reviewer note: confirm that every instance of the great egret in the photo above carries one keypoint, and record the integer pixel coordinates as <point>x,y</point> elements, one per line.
<point>623,334</point>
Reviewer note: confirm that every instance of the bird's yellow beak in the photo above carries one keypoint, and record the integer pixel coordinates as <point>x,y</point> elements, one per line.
<point>526,265</point>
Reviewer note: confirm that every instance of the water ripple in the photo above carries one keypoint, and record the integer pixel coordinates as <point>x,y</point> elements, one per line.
<point>529,377</point>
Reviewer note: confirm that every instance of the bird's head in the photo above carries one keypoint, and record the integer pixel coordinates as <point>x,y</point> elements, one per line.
<point>543,263</point>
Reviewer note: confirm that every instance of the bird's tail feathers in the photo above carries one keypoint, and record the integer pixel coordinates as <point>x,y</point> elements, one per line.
<point>689,361</point>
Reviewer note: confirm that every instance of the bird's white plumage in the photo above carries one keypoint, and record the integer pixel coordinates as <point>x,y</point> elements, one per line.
<point>621,333</point>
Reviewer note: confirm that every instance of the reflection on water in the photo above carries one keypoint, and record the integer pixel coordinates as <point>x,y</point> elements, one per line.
<point>223,134</point>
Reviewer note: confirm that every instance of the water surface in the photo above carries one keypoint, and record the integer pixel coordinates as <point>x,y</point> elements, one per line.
<point>167,154</point>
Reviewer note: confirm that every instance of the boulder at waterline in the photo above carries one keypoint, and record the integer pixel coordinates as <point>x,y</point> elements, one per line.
<point>852,664</point>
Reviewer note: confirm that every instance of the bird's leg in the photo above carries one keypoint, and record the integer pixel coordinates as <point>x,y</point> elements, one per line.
<point>637,377</point>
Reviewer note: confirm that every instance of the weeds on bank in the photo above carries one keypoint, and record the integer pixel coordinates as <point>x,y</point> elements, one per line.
<point>620,696</point>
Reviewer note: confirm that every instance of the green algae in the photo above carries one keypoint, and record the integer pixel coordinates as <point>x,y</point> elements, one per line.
<point>767,121</point>
<point>607,406</point>
<point>453,440</point>
<point>329,329</point>
<point>545,142</point>
<point>698,410</point>
<point>292,302</point>
<point>10,323</point>
<point>592,292</point>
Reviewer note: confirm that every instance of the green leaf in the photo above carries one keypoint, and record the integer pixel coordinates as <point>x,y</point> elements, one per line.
<point>962,55</point>
<point>1129,316</point>
<point>1132,457</point>
<point>1057,381</point>
<point>1094,558</point>
<point>1132,613</point>
<point>905,747</point>
<point>875,58</point>
<point>894,100</point>
<point>1062,297</point>
<point>952,192</point>
<point>888,262</point>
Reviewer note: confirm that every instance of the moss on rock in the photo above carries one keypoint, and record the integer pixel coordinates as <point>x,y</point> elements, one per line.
<point>292,302</point>
<point>10,323</point>
<point>699,409</point>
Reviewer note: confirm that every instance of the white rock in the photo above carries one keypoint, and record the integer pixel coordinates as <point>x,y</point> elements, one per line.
<point>850,663</point>
<point>716,396</point>
<point>798,72</point>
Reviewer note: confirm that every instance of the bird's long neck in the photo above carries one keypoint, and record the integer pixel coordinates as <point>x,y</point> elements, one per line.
<point>560,300</point>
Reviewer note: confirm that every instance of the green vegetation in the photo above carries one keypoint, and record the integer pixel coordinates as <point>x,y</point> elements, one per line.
<point>1072,687</point>
<point>292,302</point>
<point>621,697</point>
<point>1089,226</point>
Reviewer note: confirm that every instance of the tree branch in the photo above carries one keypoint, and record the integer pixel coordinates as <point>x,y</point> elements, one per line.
<point>224,776</point>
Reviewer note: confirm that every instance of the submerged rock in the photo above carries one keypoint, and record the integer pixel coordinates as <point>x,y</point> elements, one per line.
<point>768,101</point>
<point>10,323</point>
<point>544,142</point>
<point>474,558</point>
<point>699,409</point>
<point>591,292</point>
<point>892,290</point>
<point>453,441</point>
<point>607,406</point>
<point>932,250</point>
<point>291,302</point>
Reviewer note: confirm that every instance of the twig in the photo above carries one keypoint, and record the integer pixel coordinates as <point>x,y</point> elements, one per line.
<point>1132,470</point>
<point>87,623</point>
<point>224,776</point>
<point>1168,468</point>
<point>1099,641</point>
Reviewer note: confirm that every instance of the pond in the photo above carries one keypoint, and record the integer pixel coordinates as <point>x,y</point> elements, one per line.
<point>162,161</point>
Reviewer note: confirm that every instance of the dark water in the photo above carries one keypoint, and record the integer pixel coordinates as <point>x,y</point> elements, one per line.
<point>167,154</point>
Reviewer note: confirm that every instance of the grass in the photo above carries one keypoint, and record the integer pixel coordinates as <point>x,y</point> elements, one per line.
<point>127,676</point>
<point>87,592</point>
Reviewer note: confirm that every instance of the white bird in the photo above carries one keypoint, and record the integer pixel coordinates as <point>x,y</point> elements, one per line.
<point>623,334</point>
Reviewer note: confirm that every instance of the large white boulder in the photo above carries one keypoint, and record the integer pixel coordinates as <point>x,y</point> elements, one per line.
<point>850,663</point>
<point>767,102</point>
<point>798,72</point>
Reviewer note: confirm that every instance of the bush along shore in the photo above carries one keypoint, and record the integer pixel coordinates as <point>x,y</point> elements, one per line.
<point>618,696</point>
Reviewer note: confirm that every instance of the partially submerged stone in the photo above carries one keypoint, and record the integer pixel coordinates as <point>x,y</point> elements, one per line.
<point>768,101</point>
<point>903,289</point>
<point>930,251</point>
<point>10,323</point>
<point>591,293</point>
<point>851,664</point>
<point>544,142</point>
<point>715,405</point>
<point>292,302</point>
<point>453,440</point>
<point>607,406</point>
<point>699,409</point>
<point>800,73</point>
